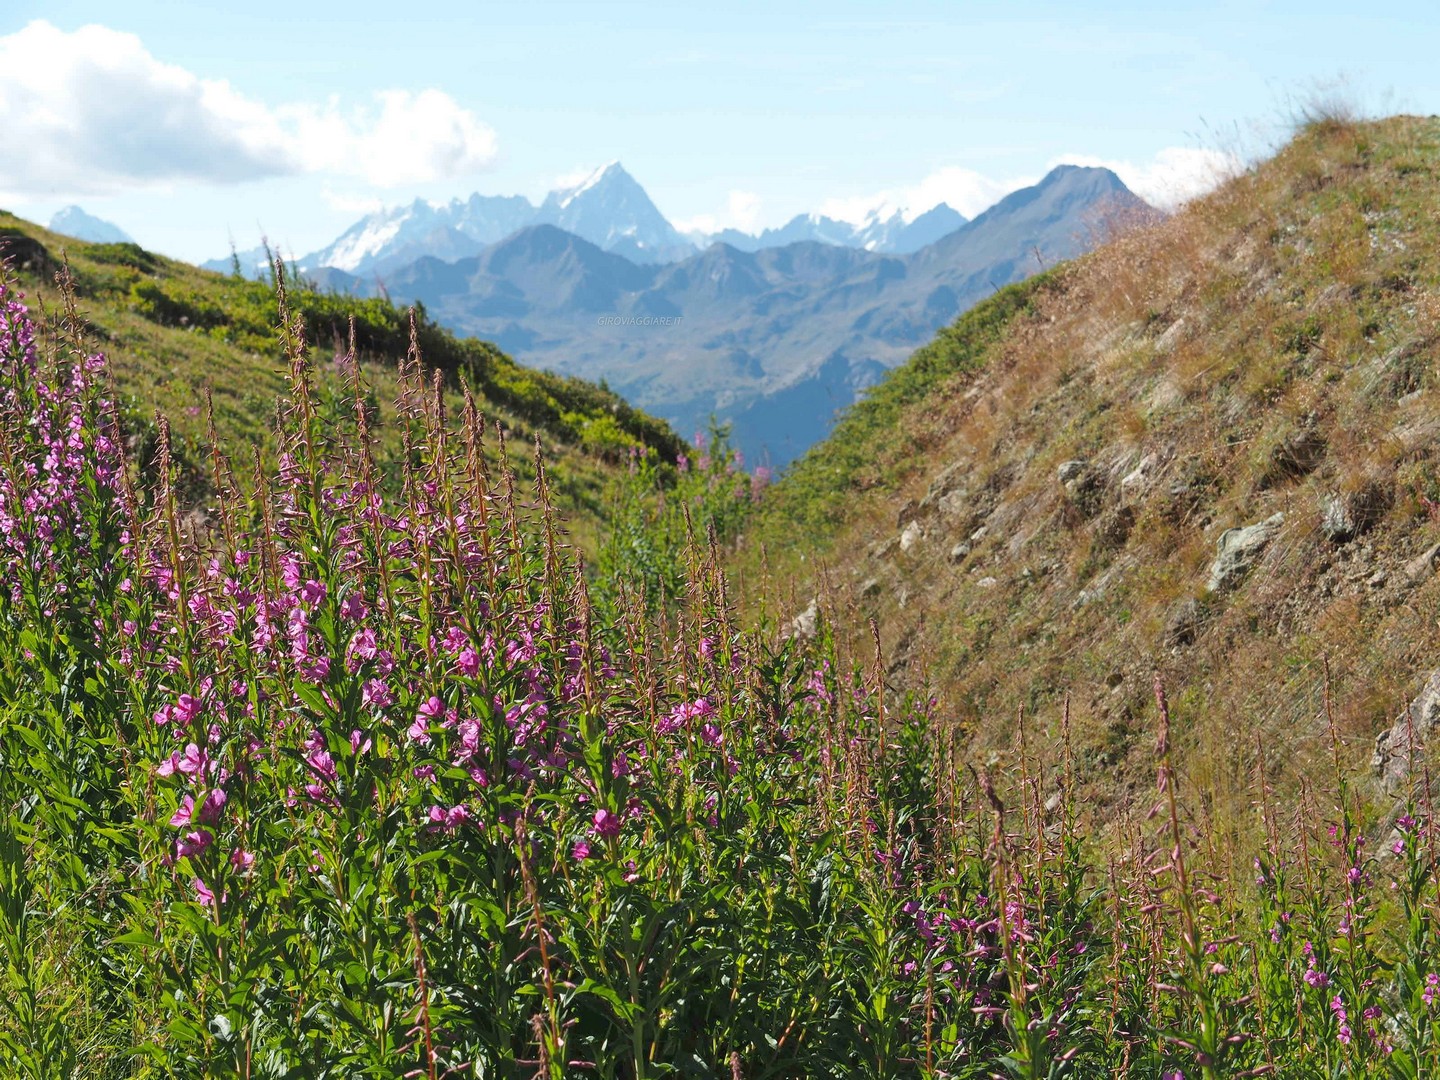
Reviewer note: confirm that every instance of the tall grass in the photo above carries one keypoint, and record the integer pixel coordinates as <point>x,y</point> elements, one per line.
<point>361,781</point>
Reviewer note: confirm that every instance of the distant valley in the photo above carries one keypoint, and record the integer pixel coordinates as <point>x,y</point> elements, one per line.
<point>771,333</point>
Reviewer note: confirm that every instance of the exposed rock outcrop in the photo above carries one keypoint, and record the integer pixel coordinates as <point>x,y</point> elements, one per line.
<point>1346,516</point>
<point>1406,738</point>
<point>805,624</point>
<point>1083,488</point>
<point>1237,551</point>
<point>1183,623</point>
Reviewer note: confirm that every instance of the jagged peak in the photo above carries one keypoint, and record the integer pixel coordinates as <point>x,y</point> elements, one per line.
<point>609,172</point>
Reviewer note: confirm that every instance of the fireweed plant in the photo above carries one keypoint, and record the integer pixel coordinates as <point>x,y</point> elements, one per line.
<point>352,778</point>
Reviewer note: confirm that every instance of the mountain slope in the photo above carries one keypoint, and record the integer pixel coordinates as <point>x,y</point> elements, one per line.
<point>1208,449</point>
<point>173,331</point>
<point>902,237</point>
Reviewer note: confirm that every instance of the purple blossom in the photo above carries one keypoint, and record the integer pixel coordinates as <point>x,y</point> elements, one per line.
<point>193,843</point>
<point>376,694</point>
<point>606,823</point>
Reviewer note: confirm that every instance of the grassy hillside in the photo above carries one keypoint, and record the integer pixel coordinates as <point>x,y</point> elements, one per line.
<point>173,331</point>
<point>373,781</point>
<point>1031,507</point>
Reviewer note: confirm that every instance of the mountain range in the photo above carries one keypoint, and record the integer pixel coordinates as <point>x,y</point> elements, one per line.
<point>772,340</point>
<point>608,208</point>
<point>892,234</point>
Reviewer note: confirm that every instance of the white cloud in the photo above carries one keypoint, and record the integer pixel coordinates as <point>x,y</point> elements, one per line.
<point>1174,175</point>
<point>405,139</point>
<point>742,211</point>
<point>94,113</point>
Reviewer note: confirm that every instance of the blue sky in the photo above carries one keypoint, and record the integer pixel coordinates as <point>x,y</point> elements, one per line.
<point>186,124</point>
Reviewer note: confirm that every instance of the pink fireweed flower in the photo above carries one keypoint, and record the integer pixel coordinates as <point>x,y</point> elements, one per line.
<point>430,713</point>
<point>457,816</point>
<point>186,709</point>
<point>290,567</point>
<point>1317,979</point>
<point>359,744</point>
<point>312,592</point>
<point>1337,1006</point>
<point>1019,925</point>
<point>184,813</point>
<point>353,607</point>
<point>190,763</point>
<point>469,736</point>
<point>606,823</point>
<point>678,717</point>
<point>363,645</point>
<point>376,694</point>
<point>322,763</point>
<point>211,807</point>
<point>443,820</point>
<point>193,843</point>
<point>581,851</point>
<point>203,893</point>
<point>468,662</point>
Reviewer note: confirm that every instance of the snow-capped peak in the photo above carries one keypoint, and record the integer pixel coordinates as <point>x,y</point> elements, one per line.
<point>567,196</point>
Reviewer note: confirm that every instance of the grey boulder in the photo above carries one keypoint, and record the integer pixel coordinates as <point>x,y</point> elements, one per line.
<point>1237,551</point>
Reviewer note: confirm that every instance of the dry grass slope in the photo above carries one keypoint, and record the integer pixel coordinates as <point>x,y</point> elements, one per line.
<point>1271,349</point>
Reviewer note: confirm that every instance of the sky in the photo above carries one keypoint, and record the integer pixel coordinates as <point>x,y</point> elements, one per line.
<point>190,125</point>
